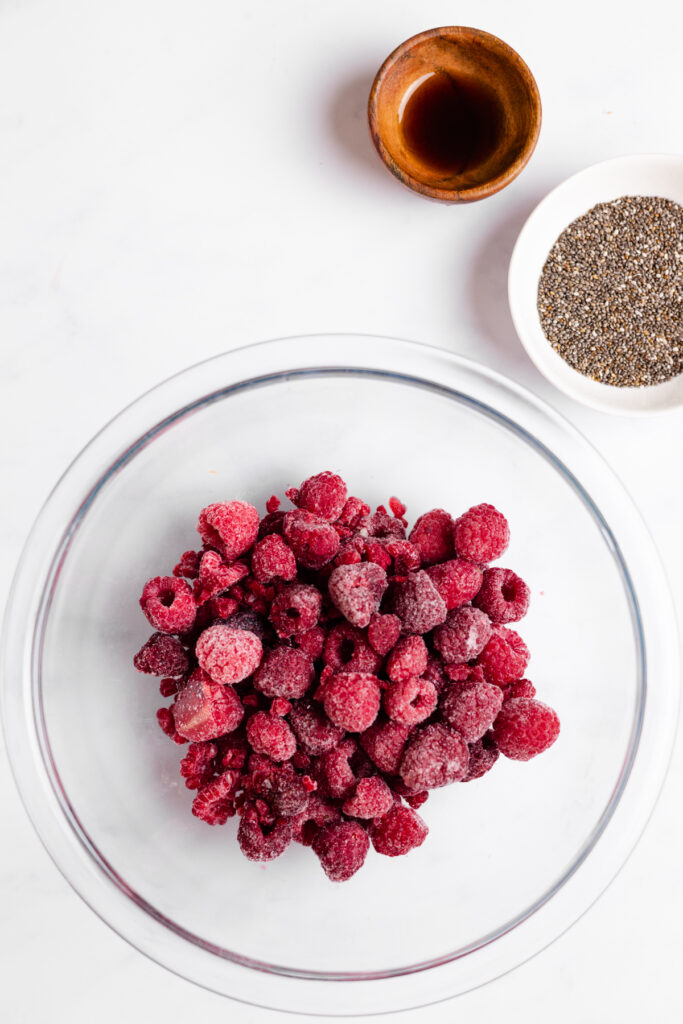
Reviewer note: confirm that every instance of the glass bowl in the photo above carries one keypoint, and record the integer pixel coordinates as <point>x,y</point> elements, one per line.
<point>511,860</point>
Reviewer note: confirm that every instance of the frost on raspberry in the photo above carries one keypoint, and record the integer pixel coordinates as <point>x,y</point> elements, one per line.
<point>524,728</point>
<point>410,701</point>
<point>418,603</point>
<point>463,635</point>
<point>204,709</point>
<point>471,709</point>
<point>458,581</point>
<point>169,604</point>
<point>408,659</point>
<point>296,609</point>
<point>284,672</point>
<point>357,590</point>
<point>398,832</point>
<point>384,743</point>
<point>372,798</point>
<point>261,842</point>
<point>432,535</point>
<point>347,650</point>
<point>483,756</point>
<point>504,596</point>
<point>505,657</point>
<point>228,655</point>
<point>312,728</point>
<point>162,655</point>
<point>313,541</point>
<point>229,526</point>
<point>341,849</point>
<point>273,559</point>
<point>268,734</point>
<point>434,757</point>
<point>324,495</point>
<point>351,700</point>
<point>481,534</point>
<point>383,633</point>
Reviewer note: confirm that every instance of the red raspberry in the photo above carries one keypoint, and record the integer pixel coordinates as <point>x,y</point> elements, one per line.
<point>351,700</point>
<point>346,649</point>
<point>317,813</point>
<point>471,709</point>
<point>284,791</point>
<point>408,659</point>
<point>252,622</point>
<point>284,672</point>
<point>296,609</point>
<point>215,801</point>
<point>229,526</point>
<point>228,655</point>
<point>398,832</point>
<point>405,555</point>
<point>418,603</point>
<point>435,756</point>
<point>353,511</point>
<point>463,636</point>
<point>204,709</point>
<point>313,541</point>
<point>167,725</point>
<point>371,799</point>
<point>481,534</point>
<point>215,576</point>
<point>410,701</point>
<point>505,657</point>
<point>398,508</point>
<point>169,687</point>
<point>458,581</point>
<point>273,504</point>
<point>342,849</point>
<point>169,604</point>
<point>313,729</point>
<point>337,772</point>
<point>432,535</point>
<point>260,842</point>
<point>272,559</point>
<point>504,596</point>
<point>188,566</point>
<point>522,688</point>
<point>383,633</point>
<point>357,590</point>
<point>384,743</point>
<point>162,655</point>
<point>197,765</point>
<point>270,735</point>
<point>525,728</point>
<point>311,642</point>
<point>483,756</point>
<point>434,673</point>
<point>376,553</point>
<point>324,495</point>
<point>379,524</point>
<point>272,523</point>
<point>280,707</point>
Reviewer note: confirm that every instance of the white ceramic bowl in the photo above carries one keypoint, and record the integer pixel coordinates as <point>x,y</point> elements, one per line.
<point>654,175</point>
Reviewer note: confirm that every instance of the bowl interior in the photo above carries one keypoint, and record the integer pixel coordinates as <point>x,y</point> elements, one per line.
<point>651,175</point>
<point>476,66</point>
<point>499,847</point>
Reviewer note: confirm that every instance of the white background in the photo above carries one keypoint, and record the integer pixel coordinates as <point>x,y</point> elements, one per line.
<point>177,178</point>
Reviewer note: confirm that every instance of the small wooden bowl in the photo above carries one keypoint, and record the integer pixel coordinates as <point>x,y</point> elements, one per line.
<point>461,53</point>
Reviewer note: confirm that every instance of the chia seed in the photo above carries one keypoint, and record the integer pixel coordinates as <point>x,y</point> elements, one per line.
<point>610,296</point>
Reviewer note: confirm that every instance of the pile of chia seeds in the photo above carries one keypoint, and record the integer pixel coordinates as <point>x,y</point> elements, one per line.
<point>610,297</point>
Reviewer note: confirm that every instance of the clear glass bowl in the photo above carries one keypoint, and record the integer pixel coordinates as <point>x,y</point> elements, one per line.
<point>511,860</point>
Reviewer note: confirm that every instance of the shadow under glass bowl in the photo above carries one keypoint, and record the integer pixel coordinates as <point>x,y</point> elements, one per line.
<point>512,860</point>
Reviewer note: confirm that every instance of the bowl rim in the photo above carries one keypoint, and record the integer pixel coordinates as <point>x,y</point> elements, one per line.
<point>447,195</point>
<point>602,397</point>
<point>148,932</point>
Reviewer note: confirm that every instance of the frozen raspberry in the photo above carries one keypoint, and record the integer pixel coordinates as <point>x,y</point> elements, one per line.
<point>354,509</point>
<point>383,633</point>
<point>313,541</point>
<point>384,742</point>
<point>435,756</point>
<point>313,729</point>
<point>270,735</point>
<point>463,635</point>
<point>342,849</point>
<point>215,801</point>
<point>272,523</point>
<point>233,751</point>
<point>408,659</point>
<point>525,728</point>
<point>337,772</point>
<point>405,555</point>
<point>481,534</point>
<point>252,622</point>
<point>272,559</point>
<point>432,535</point>
<point>188,566</point>
<point>167,725</point>
<point>324,495</point>
<point>398,509</point>
<point>318,813</point>
<point>351,700</point>
<point>522,688</point>
<point>284,672</point>
<point>505,657</point>
<point>228,655</point>
<point>418,603</point>
<point>346,649</point>
<point>169,687</point>
<point>504,596</point>
<point>229,526</point>
<point>296,609</point>
<point>284,791</point>
<point>379,524</point>
<point>349,554</point>
<point>273,504</point>
<point>281,707</point>
<point>260,842</point>
<point>434,673</point>
<point>372,798</point>
<point>410,701</point>
<point>215,576</point>
<point>458,581</point>
<point>376,553</point>
<point>204,709</point>
<point>483,756</point>
<point>162,655</point>
<point>471,709</point>
<point>399,831</point>
<point>197,765</point>
<point>357,590</point>
<point>169,604</point>
<point>311,642</point>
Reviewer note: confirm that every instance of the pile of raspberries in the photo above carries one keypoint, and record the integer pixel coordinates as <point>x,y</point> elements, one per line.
<point>328,671</point>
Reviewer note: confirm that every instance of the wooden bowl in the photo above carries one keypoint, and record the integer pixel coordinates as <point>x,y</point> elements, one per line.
<point>470,60</point>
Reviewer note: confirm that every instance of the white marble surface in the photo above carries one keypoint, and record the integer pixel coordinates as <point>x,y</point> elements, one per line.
<point>177,178</point>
